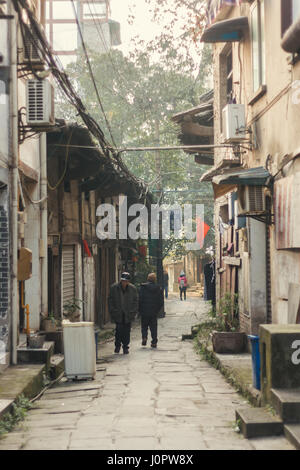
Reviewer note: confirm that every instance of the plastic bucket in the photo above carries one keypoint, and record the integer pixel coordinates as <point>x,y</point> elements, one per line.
<point>255,361</point>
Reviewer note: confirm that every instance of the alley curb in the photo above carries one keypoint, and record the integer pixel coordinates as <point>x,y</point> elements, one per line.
<point>230,367</point>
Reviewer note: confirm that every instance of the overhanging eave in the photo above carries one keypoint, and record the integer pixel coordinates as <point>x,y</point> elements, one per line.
<point>226,31</point>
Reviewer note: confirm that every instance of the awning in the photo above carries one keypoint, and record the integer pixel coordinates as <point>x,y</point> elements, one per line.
<point>225,183</point>
<point>291,39</point>
<point>224,167</point>
<point>251,177</point>
<point>226,31</point>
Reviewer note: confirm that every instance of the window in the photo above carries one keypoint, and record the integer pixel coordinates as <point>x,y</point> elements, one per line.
<point>229,72</point>
<point>94,10</point>
<point>258,45</point>
<point>290,11</point>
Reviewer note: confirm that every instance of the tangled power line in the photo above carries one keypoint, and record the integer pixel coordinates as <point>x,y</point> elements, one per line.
<point>31,30</point>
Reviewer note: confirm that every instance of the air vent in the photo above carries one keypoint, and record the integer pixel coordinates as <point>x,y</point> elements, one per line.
<point>256,198</point>
<point>31,53</point>
<point>251,199</point>
<point>40,103</point>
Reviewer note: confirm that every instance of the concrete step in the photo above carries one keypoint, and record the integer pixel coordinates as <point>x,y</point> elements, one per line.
<point>292,433</point>
<point>57,366</point>
<point>36,355</point>
<point>287,404</point>
<point>57,337</point>
<point>258,422</point>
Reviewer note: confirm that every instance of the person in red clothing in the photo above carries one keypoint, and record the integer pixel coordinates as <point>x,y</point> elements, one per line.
<point>182,282</point>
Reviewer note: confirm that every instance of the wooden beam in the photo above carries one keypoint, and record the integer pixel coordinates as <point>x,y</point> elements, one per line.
<point>193,128</point>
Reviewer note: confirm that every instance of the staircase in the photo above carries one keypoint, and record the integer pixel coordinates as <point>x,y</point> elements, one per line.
<point>287,404</point>
<point>49,354</point>
<point>261,422</point>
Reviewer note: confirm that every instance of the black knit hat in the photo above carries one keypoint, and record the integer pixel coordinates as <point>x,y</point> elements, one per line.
<point>125,277</point>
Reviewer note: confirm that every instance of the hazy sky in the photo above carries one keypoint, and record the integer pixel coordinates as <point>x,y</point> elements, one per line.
<point>142,24</point>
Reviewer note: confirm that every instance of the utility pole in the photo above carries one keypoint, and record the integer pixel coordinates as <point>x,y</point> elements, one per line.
<point>159,258</point>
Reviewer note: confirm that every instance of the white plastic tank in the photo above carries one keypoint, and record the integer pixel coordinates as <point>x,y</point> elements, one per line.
<point>79,349</point>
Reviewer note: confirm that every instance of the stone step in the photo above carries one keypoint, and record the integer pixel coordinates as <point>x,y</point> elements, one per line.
<point>292,433</point>
<point>57,366</point>
<point>258,422</point>
<point>36,355</point>
<point>287,404</point>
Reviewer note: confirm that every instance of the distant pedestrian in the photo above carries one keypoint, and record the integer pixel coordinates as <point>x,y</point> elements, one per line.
<point>151,300</point>
<point>166,283</point>
<point>182,282</point>
<point>123,306</point>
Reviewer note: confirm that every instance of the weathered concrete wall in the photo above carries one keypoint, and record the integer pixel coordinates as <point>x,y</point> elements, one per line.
<point>32,241</point>
<point>275,120</point>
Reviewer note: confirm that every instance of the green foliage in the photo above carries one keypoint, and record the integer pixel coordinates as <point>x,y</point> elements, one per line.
<point>17,414</point>
<point>226,315</point>
<point>71,309</point>
<point>142,269</point>
<point>139,94</point>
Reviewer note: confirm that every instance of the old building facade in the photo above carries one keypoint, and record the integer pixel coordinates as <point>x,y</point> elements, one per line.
<point>256,168</point>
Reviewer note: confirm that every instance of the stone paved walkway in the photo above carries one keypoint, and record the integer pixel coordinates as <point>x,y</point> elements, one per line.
<point>164,399</point>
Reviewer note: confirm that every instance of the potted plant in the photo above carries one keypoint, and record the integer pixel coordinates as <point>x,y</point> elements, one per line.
<point>71,310</point>
<point>227,338</point>
<point>49,323</point>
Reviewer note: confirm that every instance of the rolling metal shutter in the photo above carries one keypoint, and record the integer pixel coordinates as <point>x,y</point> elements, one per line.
<point>68,273</point>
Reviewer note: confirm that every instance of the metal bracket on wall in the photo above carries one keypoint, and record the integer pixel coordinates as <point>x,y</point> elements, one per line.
<point>266,218</point>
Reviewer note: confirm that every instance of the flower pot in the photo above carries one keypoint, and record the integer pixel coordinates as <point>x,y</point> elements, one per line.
<point>48,325</point>
<point>231,342</point>
<point>36,341</point>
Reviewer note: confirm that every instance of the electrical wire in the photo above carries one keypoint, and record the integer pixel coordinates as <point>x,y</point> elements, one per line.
<point>91,72</point>
<point>32,30</point>
<point>53,188</point>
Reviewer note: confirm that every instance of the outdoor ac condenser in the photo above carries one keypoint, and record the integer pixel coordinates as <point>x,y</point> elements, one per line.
<point>79,350</point>
<point>251,199</point>
<point>30,50</point>
<point>234,123</point>
<point>40,103</point>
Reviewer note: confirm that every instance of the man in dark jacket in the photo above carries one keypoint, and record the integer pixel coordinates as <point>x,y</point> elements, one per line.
<point>123,306</point>
<point>151,300</point>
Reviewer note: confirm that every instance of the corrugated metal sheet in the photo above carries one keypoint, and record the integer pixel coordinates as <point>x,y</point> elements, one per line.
<point>68,273</point>
<point>284,223</point>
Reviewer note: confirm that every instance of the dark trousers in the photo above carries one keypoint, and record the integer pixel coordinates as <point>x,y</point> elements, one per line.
<point>122,336</point>
<point>182,290</point>
<point>149,322</point>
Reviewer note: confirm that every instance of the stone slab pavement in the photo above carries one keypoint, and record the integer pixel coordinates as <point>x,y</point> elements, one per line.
<point>167,398</point>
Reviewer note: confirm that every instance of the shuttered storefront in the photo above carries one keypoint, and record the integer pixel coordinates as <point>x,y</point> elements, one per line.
<point>68,273</point>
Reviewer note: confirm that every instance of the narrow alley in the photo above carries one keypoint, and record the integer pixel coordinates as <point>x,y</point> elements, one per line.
<point>152,399</point>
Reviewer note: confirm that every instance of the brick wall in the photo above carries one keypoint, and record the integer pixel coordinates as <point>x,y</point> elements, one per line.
<point>4,273</point>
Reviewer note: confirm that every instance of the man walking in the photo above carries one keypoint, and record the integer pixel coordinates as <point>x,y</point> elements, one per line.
<point>151,300</point>
<point>123,306</point>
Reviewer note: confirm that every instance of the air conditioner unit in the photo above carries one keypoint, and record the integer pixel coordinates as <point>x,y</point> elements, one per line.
<point>251,199</point>
<point>30,52</point>
<point>234,129</point>
<point>40,103</point>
